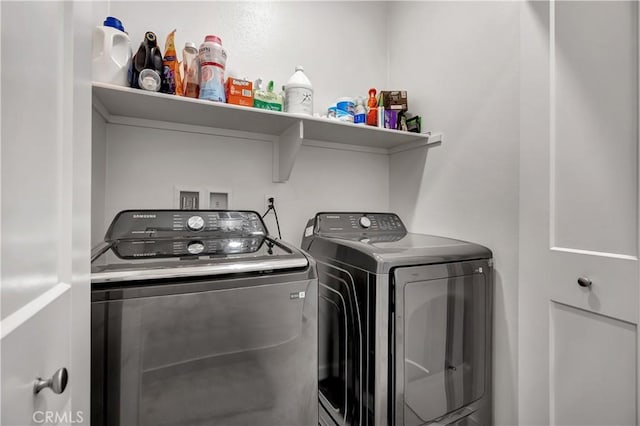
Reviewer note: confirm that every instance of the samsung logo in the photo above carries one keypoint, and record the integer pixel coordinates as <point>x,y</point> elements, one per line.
<point>144,216</point>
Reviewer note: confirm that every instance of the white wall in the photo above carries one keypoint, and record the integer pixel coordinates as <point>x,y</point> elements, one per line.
<point>143,165</point>
<point>459,63</point>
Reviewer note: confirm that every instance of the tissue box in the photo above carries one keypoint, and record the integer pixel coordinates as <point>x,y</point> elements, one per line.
<point>394,99</point>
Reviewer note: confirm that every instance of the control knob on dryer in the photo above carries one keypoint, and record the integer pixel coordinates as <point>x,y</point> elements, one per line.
<point>195,223</point>
<point>365,222</point>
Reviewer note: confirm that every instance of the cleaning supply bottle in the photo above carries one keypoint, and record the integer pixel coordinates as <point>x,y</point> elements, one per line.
<point>299,93</point>
<point>360,113</point>
<point>170,74</point>
<point>278,98</point>
<point>213,59</point>
<point>372,111</point>
<point>148,57</point>
<point>111,53</point>
<point>191,70</point>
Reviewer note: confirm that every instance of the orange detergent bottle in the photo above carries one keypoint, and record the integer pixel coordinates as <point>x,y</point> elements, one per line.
<point>372,112</point>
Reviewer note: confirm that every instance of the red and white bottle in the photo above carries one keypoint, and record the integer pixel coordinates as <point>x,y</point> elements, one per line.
<point>213,59</point>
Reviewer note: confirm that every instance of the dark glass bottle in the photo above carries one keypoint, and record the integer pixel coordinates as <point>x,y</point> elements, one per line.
<point>148,56</point>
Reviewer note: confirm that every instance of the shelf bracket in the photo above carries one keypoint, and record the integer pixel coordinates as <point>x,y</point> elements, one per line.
<point>433,139</point>
<point>285,151</point>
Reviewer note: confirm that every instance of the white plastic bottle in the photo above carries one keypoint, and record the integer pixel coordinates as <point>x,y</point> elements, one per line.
<point>111,53</point>
<point>360,112</point>
<point>298,93</point>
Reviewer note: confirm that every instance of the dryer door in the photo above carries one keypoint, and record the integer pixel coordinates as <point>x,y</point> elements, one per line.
<point>441,339</point>
<point>339,344</point>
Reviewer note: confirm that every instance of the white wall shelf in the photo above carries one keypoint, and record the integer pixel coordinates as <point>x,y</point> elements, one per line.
<point>123,105</point>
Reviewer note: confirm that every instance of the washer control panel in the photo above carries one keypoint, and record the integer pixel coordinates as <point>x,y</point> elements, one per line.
<point>146,224</point>
<point>364,223</point>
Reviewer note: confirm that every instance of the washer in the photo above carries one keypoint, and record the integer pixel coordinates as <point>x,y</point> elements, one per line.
<point>404,323</point>
<point>201,318</point>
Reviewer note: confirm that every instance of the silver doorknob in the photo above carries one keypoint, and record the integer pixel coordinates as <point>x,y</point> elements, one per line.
<point>57,382</point>
<point>584,282</point>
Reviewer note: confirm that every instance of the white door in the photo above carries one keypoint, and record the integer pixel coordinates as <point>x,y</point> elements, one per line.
<point>44,291</point>
<point>578,345</point>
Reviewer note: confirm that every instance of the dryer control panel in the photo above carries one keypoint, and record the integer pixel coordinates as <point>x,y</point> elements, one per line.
<point>358,223</point>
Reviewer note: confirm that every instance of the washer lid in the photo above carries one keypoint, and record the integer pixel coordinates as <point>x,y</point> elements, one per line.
<point>162,244</point>
<point>157,224</point>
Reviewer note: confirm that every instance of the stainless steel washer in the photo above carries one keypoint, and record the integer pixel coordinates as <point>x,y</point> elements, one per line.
<point>404,323</point>
<point>200,318</point>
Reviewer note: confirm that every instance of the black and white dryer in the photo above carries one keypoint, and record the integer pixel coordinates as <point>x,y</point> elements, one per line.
<point>404,324</point>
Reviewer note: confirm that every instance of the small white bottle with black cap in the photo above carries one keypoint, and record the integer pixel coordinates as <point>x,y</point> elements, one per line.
<point>298,93</point>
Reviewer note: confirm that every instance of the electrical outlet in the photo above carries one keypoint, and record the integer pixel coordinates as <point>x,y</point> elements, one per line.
<point>187,197</point>
<point>189,200</point>
<point>218,200</point>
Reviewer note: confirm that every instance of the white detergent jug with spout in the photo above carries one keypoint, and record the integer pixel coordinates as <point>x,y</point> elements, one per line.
<point>111,53</point>
<point>298,93</point>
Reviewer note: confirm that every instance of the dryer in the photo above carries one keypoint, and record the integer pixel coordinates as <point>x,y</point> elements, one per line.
<point>404,326</point>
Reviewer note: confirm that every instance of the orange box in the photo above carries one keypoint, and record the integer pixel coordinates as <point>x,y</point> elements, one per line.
<point>239,92</point>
